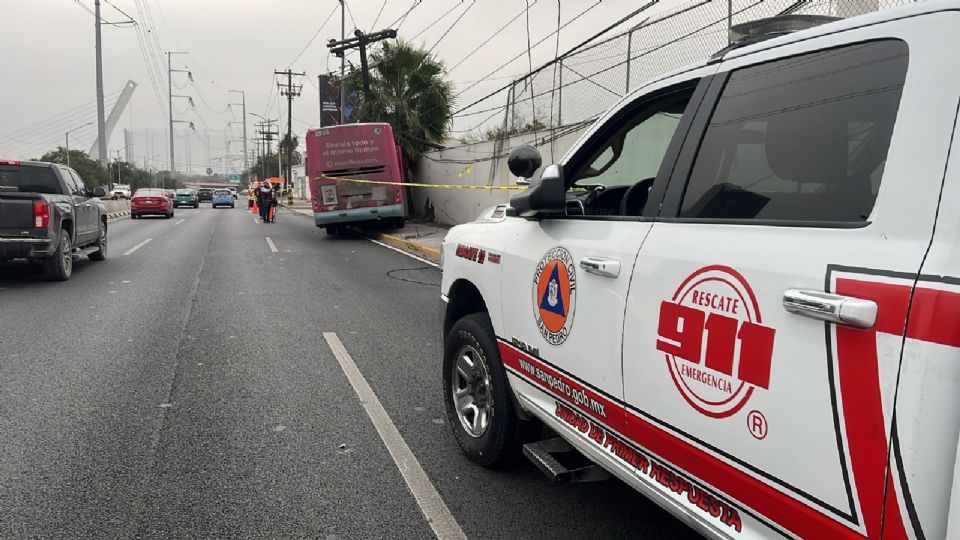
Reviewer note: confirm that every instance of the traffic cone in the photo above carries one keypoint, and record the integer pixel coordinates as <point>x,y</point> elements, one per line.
<point>253,209</point>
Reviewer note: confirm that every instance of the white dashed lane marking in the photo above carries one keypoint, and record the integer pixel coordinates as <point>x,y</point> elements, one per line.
<point>428,498</point>
<point>273,247</point>
<point>138,246</point>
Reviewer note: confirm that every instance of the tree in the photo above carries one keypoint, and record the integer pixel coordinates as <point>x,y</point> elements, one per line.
<point>291,142</point>
<point>90,170</point>
<point>264,164</point>
<point>408,91</point>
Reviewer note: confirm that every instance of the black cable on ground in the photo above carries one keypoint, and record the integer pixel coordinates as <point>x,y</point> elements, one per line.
<point>390,274</point>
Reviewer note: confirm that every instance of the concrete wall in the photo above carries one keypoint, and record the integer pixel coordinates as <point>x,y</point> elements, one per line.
<point>475,164</point>
<point>115,207</point>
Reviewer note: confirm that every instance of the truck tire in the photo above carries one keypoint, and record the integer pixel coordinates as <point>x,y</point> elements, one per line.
<point>101,253</point>
<point>333,230</point>
<point>59,267</point>
<point>477,396</point>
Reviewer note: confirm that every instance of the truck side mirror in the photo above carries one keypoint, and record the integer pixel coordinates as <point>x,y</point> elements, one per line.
<point>546,196</point>
<point>524,160</point>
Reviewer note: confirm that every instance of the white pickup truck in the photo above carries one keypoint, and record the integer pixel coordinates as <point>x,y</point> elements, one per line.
<point>739,292</point>
<point>120,191</point>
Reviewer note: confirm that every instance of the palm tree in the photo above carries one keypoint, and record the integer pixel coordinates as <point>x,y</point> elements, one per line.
<point>408,91</point>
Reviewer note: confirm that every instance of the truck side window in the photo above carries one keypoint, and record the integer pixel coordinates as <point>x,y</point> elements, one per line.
<point>80,189</point>
<point>619,168</point>
<point>802,138</point>
<point>69,180</point>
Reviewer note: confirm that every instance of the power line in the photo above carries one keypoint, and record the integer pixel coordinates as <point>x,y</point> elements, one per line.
<point>376,20</point>
<point>396,24</point>
<point>530,66</point>
<point>451,27</point>
<point>120,10</point>
<point>153,72</point>
<point>438,19</point>
<point>150,71</point>
<point>206,104</point>
<point>151,40</point>
<point>508,62</point>
<point>495,34</point>
<point>350,12</point>
<point>556,62</point>
<point>570,51</point>
<point>119,24</point>
<point>307,46</point>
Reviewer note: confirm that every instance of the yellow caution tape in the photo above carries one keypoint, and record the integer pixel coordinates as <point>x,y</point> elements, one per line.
<point>415,184</point>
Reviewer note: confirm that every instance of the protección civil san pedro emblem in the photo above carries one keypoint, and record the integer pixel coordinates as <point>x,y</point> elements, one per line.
<point>555,295</point>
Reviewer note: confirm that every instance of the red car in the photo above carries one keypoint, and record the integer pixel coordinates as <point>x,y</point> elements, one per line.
<point>150,201</point>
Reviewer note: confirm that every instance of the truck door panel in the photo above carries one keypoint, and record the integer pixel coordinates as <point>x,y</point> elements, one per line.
<point>790,190</point>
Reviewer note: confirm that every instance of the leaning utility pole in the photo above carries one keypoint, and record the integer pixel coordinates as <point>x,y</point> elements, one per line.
<point>101,123</point>
<point>290,91</point>
<point>360,41</point>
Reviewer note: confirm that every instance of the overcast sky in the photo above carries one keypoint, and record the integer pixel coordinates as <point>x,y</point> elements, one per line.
<point>235,44</point>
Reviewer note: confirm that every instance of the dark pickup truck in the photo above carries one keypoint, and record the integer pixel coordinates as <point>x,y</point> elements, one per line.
<point>48,215</point>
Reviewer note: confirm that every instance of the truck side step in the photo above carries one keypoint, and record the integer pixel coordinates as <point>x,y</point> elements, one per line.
<point>561,462</point>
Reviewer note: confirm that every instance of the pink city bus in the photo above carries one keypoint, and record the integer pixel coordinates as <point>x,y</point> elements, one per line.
<point>344,164</point>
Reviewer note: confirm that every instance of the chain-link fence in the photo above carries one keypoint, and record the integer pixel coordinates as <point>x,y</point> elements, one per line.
<point>583,83</point>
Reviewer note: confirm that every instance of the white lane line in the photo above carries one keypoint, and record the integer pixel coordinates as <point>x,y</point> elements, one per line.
<point>273,247</point>
<point>431,504</point>
<point>179,222</point>
<point>138,246</point>
<point>398,250</point>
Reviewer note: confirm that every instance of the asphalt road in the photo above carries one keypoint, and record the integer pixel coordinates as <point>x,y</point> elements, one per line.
<point>184,389</point>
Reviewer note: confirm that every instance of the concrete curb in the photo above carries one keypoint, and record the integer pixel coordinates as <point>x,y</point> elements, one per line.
<point>421,250</point>
<point>410,246</point>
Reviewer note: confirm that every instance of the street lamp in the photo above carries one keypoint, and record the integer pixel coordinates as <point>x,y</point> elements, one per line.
<point>68,139</point>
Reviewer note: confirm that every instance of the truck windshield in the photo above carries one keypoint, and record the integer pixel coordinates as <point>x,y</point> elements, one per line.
<point>28,179</point>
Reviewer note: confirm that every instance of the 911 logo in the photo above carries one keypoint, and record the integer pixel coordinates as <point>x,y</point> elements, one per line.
<point>717,350</point>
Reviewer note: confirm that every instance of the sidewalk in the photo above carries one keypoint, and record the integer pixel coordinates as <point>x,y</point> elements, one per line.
<point>420,239</point>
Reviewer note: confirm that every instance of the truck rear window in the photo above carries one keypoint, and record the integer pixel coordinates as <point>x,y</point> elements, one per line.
<point>29,179</point>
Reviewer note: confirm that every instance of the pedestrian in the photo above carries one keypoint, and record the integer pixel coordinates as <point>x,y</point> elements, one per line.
<point>264,195</point>
<point>275,201</point>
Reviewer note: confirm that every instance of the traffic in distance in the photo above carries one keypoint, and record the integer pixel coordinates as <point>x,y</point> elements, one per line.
<point>731,309</point>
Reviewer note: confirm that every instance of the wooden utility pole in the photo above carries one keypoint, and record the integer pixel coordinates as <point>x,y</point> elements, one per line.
<point>291,91</point>
<point>360,41</point>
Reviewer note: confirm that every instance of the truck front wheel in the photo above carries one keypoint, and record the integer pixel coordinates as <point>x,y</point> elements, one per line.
<point>59,266</point>
<point>477,396</point>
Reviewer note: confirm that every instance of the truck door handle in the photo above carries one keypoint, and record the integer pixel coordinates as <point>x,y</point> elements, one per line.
<point>831,307</point>
<point>600,266</point>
